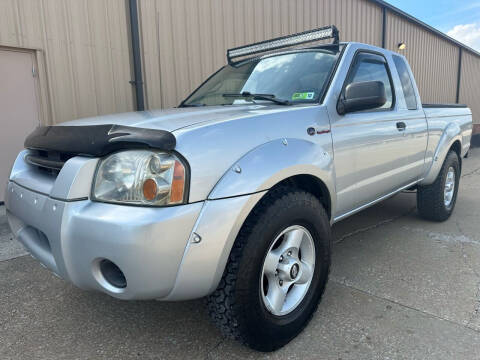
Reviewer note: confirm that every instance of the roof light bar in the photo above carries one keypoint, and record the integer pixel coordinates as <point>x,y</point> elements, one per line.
<point>327,32</point>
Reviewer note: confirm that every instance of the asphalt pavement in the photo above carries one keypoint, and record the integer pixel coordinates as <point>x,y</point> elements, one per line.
<point>400,288</point>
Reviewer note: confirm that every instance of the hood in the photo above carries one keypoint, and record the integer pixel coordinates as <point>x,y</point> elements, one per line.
<point>178,118</point>
<point>100,135</point>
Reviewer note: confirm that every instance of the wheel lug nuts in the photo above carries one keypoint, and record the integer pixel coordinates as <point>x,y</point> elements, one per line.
<point>289,253</point>
<point>276,272</point>
<point>281,258</point>
<point>281,282</point>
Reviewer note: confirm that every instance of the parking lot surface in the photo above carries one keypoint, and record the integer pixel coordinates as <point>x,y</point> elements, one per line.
<point>400,288</point>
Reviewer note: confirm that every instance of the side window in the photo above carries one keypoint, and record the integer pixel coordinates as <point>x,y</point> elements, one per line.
<point>406,81</point>
<point>372,67</point>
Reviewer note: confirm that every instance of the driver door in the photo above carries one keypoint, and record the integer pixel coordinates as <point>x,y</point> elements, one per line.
<point>368,144</point>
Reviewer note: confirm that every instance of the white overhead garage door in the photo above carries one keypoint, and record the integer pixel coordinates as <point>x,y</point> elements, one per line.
<point>18,107</point>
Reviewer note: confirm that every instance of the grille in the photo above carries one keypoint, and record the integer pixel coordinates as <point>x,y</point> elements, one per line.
<point>48,161</point>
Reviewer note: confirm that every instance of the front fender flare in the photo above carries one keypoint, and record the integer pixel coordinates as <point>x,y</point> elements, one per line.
<point>233,198</point>
<point>451,134</point>
<point>268,164</point>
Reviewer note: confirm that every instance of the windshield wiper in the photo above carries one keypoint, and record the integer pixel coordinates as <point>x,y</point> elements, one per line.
<point>268,97</point>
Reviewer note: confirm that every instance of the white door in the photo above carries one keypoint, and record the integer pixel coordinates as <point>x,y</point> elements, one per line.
<point>18,107</point>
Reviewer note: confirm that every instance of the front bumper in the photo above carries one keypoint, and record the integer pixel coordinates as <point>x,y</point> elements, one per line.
<point>72,237</point>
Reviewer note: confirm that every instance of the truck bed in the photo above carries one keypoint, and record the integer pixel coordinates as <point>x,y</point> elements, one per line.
<point>442,116</point>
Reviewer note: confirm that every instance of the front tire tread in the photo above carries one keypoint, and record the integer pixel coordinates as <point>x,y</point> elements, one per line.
<point>221,303</point>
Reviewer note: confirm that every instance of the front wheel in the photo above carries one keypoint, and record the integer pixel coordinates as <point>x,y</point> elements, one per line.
<point>437,201</point>
<point>277,271</point>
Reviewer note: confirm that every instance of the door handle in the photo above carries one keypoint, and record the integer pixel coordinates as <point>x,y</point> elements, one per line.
<point>401,126</point>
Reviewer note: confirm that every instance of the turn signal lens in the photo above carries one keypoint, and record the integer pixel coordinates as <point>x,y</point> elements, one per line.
<point>178,183</point>
<point>150,189</point>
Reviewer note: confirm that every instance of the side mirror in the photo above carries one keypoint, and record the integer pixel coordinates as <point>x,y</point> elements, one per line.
<point>362,96</point>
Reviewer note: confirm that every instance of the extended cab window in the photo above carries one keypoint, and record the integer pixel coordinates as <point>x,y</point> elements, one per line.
<point>406,81</point>
<point>371,67</point>
<point>296,77</point>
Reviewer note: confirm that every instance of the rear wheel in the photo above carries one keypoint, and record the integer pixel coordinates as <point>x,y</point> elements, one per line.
<point>437,201</point>
<point>277,271</point>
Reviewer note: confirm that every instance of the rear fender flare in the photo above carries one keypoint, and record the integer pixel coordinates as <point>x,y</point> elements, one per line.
<point>451,134</point>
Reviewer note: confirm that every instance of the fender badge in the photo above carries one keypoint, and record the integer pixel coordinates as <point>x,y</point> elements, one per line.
<point>311,131</point>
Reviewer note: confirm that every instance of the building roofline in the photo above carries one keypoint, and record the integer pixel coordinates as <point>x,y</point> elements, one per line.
<point>416,21</point>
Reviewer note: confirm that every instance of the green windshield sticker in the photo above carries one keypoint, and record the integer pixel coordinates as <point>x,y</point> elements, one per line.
<point>303,96</point>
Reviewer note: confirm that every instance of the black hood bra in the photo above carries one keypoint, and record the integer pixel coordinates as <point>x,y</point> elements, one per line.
<point>97,140</point>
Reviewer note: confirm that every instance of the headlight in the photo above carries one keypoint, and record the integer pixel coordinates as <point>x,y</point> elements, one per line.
<point>141,177</point>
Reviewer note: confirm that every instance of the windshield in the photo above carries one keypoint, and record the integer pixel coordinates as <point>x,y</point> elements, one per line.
<point>299,77</point>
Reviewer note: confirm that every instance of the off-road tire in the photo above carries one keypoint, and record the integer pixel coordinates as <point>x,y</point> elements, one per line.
<point>430,198</point>
<point>236,305</point>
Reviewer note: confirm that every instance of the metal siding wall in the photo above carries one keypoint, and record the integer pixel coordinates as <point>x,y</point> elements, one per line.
<point>470,84</point>
<point>184,41</point>
<point>85,48</point>
<point>434,61</point>
<point>84,57</point>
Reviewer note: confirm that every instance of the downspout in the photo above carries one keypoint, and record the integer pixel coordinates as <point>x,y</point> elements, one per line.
<point>384,26</point>
<point>459,74</point>
<point>137,59</point>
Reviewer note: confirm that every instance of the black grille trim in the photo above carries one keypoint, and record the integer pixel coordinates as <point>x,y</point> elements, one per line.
<point>44,163</point>
<point>48,161</point>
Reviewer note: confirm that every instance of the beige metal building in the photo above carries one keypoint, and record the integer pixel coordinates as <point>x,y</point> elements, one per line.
<point>66,59</point>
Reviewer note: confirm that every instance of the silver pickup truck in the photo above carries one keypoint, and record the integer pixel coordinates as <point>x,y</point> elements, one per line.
<point>232,194</point>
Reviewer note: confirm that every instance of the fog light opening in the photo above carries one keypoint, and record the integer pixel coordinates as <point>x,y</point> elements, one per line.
<point>112,274</point>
